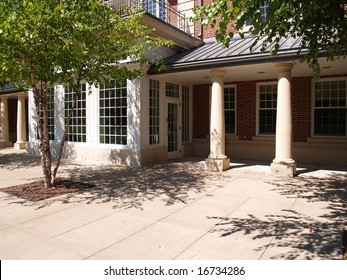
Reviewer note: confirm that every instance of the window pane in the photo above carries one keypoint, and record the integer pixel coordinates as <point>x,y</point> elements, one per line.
<point>154,113</point>
<point>267,122</point>
<point>330,112</point>
<point>50,114</point>
<point>113,113</point>
<point>229,110</point>
<point>267,109</point>
<point>172,90</point>
<point>77,133</point>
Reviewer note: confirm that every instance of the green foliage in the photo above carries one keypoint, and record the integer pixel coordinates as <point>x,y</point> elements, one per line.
<point>321,24</point>
<point>61,40</point>
<point>68,42</point>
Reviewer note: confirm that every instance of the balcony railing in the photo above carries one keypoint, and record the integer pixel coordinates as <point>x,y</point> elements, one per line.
<point>158,8</point>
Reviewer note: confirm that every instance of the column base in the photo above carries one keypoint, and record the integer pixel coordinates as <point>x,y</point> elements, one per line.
<point>20,145</point>
<point>5,144</point>
<point>217,164</point>
<point>287,169</point>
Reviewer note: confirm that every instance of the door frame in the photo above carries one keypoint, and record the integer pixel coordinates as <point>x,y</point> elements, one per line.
<point>177,153</point>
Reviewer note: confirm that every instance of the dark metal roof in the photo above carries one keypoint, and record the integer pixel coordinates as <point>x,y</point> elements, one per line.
<point>212,55</point>
<point>9,88</point>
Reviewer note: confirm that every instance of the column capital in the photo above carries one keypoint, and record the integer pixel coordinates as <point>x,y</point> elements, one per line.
<point>284,66</point>
<point>21,95</point>
<point>217,73</point>
<point>4,97</point>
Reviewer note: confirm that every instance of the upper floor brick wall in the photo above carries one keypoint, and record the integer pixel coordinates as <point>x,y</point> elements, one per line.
<point>199,32</point>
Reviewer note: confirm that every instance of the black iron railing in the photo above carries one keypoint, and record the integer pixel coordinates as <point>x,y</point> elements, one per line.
<point>158,8</point>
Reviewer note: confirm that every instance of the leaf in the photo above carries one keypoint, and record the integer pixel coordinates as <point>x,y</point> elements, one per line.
<point>322,23</point>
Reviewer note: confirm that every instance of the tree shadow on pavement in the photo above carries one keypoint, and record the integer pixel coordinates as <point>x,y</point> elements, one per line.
<point>311,230</point>
<point>13,161</point>
<point>125,187</point>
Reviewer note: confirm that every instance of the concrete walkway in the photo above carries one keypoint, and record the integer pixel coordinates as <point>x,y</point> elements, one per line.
<point>175,210</point>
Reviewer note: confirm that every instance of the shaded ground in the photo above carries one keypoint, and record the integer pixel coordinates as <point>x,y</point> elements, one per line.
<point>122,186</point>
<point>15,160</point>
<point>311,227</point>
<point>175,210</point>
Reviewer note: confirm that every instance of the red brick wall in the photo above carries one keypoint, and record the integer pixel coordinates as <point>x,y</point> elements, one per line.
<point>201,111</point>
<point>206,32</point>
<point>247,109</point>
<point>301,108</point>
<point>172,17</point>
<point>172,2</point>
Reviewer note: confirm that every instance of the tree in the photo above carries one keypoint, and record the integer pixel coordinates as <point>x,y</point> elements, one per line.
<point>70,42</point>
<point>321,24</point>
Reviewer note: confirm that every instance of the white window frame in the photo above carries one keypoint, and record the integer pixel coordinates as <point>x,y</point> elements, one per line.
<point>246,27</point>
<point>115,126</point>
<point>158,117</point>
<point>51,115</point>
<point>174,89</point>
<point>74,117</point>
<point>258,107</point>
<point>313,106</point>
<point>235,109</point>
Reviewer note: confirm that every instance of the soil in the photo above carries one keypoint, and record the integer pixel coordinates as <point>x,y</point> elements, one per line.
<point>36,191</point>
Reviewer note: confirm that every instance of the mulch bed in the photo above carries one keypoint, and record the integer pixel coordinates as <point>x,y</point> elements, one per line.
<point>36,191</point>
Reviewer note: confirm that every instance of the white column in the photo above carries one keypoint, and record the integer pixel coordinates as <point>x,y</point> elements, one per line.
<point>217,160</point>
<point>283,164</point>
<point>21,124</point>
<point>4,131</point>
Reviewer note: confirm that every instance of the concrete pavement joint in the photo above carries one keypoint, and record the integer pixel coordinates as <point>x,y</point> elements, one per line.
<point>99,219</point>
<point>278,228</point>
<point>40,217</point>
<point>220,221</point>
<point>156,222</point>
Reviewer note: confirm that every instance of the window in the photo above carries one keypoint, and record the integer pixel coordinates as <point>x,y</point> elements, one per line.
<point>264,9</point>
<point>185,114</point>
<point>330,108</point>
<point>172,90</point>
<point>77,128</point>
<point>230,109</point>
<point>267,108</point>
<point>113,113</point>
<point>155,7</point>
<point>50,114</point>
<point>154,112</point>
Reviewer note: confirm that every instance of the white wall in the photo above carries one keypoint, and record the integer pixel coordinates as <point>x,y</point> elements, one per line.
<point>186,7</point>
<point>92,150</point>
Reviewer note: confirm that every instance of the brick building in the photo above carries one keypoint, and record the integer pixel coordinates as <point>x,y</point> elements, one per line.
<point>221,104</point>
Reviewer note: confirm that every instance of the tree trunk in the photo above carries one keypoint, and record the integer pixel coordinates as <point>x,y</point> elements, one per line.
<point>66,129</point>
<point>344,243</point>
<point>44,151</point>
<point>45,139</point>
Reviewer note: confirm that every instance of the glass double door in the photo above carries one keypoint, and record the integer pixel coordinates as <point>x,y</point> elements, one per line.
<point>173,130</point>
